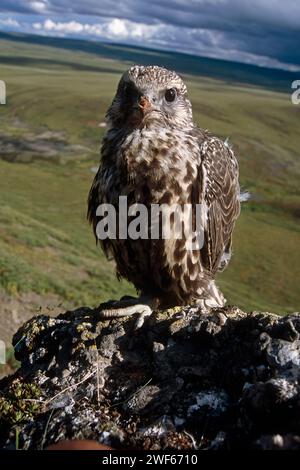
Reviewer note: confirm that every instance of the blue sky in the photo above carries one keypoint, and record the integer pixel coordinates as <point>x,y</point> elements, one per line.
<point>262,32</point>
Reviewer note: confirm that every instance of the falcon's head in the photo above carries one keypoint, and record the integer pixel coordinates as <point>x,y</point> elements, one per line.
<point>147,95</point>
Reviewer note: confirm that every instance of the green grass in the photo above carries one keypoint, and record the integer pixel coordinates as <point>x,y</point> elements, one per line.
<point>46,244</point>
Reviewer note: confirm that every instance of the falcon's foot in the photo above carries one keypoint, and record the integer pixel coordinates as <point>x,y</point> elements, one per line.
<point>127,306</point>
<point>213,299</point>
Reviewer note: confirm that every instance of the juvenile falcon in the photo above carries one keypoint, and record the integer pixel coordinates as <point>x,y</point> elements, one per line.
<point>154,153</point>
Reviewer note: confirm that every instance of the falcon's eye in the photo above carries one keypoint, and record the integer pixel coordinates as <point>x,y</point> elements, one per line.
<point>170,95</point>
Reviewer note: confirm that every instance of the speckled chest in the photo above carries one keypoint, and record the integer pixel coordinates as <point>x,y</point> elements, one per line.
<point>159,165</point>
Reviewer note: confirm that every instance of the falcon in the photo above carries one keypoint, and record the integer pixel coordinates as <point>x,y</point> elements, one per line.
<point>154,153</point>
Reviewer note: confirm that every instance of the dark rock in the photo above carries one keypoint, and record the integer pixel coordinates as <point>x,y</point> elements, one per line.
<point>185,380</point>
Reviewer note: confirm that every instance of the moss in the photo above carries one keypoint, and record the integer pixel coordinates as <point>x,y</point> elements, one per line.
<point>20,403</point>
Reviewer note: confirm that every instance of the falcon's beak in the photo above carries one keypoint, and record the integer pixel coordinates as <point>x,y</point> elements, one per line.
<point>144,104</point>
<point>139,111</point>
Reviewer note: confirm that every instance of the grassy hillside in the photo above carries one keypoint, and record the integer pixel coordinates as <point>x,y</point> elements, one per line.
<point>49,141</point>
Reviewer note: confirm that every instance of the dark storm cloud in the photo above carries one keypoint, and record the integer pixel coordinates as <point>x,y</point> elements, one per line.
<point>269,28</point>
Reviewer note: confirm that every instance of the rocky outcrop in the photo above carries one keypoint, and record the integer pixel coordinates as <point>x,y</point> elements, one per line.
<point>184,380</point>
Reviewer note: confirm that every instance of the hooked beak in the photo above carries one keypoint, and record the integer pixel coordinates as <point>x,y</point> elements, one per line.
<point>138,112</point>
<point>144,104</point>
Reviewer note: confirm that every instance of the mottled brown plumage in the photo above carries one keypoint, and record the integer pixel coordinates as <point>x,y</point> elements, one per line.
<point>154,153</point>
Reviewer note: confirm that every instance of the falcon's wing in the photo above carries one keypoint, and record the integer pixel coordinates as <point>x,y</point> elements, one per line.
<point>97,196</point>
<point>219,191</point>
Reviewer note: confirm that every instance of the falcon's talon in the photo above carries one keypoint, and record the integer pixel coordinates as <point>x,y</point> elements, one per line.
<point>127,307</point>
<point>141,319</point>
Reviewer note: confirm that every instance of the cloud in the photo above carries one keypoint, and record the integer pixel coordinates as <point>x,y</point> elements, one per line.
<point>114,29</point>
<point>211,14</point>
<point>199,41</point>
<point>9,22</point>
<point>39,6</point>
<point>261,31</point>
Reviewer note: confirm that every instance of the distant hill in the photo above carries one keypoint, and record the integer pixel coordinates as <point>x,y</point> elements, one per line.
<point>230,72</point>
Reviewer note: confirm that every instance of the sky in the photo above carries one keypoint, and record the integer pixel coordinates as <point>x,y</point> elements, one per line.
<point>261,32</point>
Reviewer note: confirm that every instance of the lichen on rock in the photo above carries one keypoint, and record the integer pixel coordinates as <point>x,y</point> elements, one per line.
<point>184,380</point>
